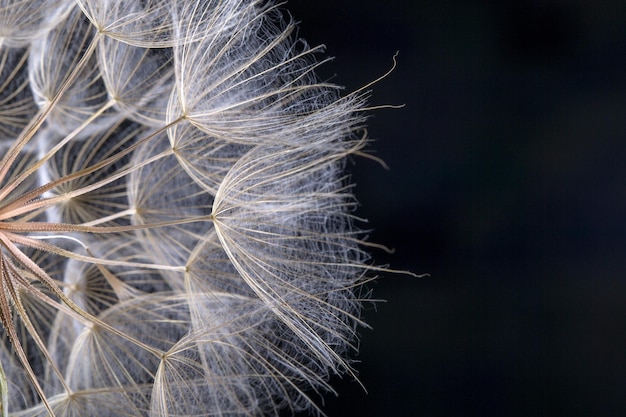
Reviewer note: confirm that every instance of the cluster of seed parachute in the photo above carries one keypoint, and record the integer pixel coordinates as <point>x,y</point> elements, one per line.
<point>176,227</point>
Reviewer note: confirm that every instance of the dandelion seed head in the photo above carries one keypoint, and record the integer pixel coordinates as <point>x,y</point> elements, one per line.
<point>177,234</point>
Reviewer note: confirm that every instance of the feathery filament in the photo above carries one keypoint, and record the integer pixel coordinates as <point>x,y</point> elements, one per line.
<point>177,235</point>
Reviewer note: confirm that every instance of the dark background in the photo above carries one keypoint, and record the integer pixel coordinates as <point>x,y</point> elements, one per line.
<point>507,179</point>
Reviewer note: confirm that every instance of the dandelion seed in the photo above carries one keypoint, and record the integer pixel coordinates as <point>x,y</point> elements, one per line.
<point>177,236</point>
<point>55,55</point>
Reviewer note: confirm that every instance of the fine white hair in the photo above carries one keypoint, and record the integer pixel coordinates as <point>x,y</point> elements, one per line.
<point>177,230</point>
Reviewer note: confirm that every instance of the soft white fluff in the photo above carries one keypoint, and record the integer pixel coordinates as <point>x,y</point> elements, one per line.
<point>177,234</point>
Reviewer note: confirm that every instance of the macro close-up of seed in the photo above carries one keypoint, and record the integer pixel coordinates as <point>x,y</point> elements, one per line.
<point>178,234</point>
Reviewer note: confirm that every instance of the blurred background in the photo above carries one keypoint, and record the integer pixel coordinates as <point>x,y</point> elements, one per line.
<point>507,186</point>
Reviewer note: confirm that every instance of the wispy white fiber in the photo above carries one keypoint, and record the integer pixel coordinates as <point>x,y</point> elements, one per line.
<point>177,231</point>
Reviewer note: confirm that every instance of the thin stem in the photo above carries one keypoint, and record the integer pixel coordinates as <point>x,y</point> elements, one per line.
<point>7,322</point>
<point>46,247</point>
<point>4,390</point>
<point>19,306</point>
<point>45,279</point>
<point>118,215</point>
<point>22,227</point>
<point>13,184</point>
<point>29,132</point>
<point>23,204</point>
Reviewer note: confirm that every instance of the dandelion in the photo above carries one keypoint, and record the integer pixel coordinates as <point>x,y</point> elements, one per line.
<point>177,235</point>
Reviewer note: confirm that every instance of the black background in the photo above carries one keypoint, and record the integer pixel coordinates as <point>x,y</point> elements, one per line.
<point>507,179</point>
